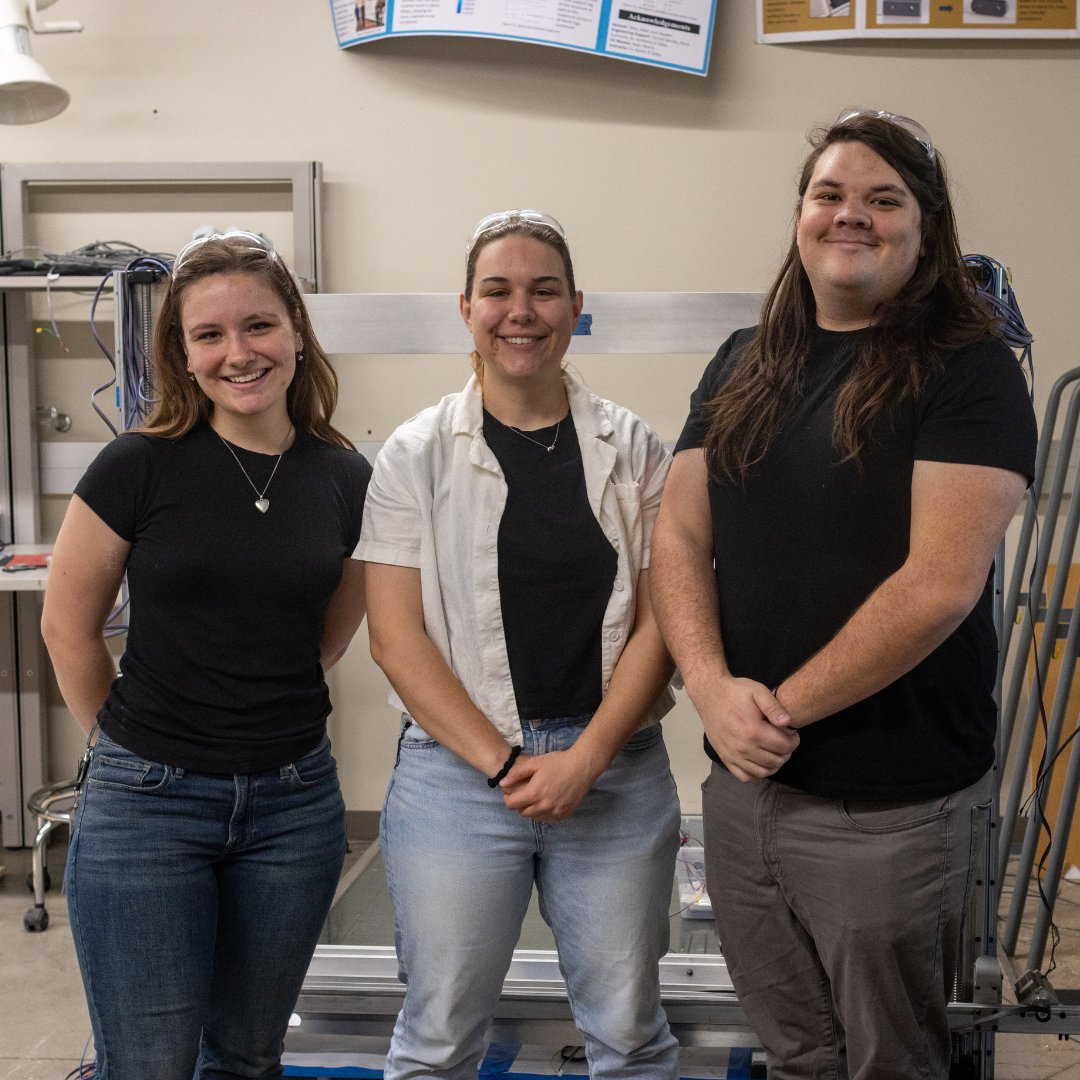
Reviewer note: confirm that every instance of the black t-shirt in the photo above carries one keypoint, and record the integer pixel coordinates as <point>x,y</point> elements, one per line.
<point>221,671</point>
<point>808,538</point>
<point>556,572</point>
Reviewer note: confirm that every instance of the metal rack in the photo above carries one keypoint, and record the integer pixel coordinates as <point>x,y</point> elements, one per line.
<point>1039,629</point>
<point>22,716</point>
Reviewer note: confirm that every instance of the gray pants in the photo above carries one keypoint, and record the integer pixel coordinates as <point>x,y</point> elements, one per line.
<point>841,922</point>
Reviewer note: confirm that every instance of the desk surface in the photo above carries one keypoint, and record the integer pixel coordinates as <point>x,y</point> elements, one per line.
<point>25,580</point>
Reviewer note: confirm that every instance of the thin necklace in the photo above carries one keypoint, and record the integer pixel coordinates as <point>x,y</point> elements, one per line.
<point>262,503</point>
<point>537,442</point>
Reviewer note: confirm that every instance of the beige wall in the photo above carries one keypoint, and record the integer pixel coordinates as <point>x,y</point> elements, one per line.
<point>664,182</point>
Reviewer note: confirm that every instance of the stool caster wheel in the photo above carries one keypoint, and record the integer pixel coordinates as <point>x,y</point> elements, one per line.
<point>46,881</point>
<point>36,920</point>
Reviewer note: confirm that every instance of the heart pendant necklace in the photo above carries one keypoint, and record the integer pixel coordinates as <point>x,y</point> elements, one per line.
<point>262,503</point>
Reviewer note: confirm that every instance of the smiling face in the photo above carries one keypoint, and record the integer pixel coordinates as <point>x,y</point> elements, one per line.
<point>241,345</point>
<point>521,311</point>
<point>859,234</point>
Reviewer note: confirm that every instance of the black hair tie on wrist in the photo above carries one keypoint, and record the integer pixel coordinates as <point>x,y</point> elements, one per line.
<point>501,774</point>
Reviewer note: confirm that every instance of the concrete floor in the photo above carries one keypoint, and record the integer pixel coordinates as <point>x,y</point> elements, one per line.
<point>44,1028</point>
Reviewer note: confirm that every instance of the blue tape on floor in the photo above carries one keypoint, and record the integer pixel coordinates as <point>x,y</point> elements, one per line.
<point>498,1065</point>
<point>739,1062</point>
<point>317,1073</point>
<point>740,1059</point>
<point>498,1060</point>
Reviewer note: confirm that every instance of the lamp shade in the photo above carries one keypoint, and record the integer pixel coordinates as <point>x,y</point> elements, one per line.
<point>27,94</point>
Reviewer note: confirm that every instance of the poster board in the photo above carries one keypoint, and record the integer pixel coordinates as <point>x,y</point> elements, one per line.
<point>780,21</point>
<point>674,34</point>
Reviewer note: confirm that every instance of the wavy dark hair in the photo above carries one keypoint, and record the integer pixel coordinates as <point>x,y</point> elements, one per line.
<point>313,393</point>
<point>514,227</point>
<point>937,310</point>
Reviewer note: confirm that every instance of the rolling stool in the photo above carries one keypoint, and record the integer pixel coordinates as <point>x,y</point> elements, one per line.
<point>51,806</point>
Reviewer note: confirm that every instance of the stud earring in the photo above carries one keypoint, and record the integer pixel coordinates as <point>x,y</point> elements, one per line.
<point>299,357</point>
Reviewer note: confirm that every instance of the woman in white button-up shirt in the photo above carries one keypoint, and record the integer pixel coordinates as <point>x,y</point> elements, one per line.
<point>506,533</point>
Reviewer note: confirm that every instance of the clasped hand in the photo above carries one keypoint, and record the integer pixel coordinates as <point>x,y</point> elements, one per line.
<point>746,726</point>
<point>546,788</point>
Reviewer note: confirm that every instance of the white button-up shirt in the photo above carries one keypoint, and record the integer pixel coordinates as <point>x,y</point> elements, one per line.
<point>435,502</point>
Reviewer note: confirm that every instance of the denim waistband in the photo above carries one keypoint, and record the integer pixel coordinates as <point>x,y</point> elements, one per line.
<point>554,723</point>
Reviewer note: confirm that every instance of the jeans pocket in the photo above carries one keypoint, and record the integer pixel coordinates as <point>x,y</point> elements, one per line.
<point>645,739</point>
<point>120,769</point>
<point>891,817</point>
<point>313,768</point>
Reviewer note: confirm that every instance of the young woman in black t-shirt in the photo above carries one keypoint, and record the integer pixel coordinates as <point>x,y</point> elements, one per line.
<point>210,833</point>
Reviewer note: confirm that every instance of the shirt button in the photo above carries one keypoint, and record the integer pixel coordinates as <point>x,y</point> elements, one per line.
<point>618,586</point>
<point>613,635</point>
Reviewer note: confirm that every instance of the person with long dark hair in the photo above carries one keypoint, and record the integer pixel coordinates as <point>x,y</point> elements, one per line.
<point>210,833</point>
<point>821,573</point>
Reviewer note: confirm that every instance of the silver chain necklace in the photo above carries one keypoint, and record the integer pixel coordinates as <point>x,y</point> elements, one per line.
<point>537,442</point>
<point>262,503</point>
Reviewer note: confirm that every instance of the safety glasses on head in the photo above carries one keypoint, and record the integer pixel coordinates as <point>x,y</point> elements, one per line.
<point>240,239</point>
<point>912,127</point>
<point>508,217</point>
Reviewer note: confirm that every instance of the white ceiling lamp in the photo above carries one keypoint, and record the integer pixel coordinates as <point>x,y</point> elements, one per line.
<point>27,94</point>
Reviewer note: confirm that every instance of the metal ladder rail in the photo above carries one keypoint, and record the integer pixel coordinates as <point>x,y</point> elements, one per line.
<point>1063,825</point>
<point>1046,646</point>
<point>1011,602</point>
<point>1029,847</point>
<point>1043,656</point>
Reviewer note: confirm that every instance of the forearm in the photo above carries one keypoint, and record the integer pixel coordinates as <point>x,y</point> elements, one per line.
<point>344,614</point>
<point>743,722</point>
<point>438,702</point>
<point>642,672</point>
<point>895,628</point>
<point>687,610</point>
<point>959,514</point>
<point>85,669</point>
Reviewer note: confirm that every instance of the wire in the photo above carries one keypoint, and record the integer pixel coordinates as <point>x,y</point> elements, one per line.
<point>994,284</point>
<point>97,257</point>
<point>133,384</point>
<point>108,355</point>
<point>85,1070</point>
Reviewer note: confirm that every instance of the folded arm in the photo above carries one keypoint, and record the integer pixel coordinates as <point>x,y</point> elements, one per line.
<point>959,514</point>
<point>344,614</point>
<point>743,722</point>
<point>550,787</point>
<point>85,574</point>
<point>432,693</point>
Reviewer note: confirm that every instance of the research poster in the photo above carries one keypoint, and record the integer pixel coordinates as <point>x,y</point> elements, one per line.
<point>780,21</point>
<point>673,34</point>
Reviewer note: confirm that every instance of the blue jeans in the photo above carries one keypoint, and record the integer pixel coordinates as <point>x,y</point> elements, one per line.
<point>461,869</point>
<point>841,922</point>
<point>196,902</point>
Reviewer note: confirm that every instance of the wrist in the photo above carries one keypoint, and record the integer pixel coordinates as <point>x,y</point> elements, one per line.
<point>508,764</point>
<point>591,760</point>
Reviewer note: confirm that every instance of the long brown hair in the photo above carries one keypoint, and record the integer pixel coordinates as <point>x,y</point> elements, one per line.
<point>937,310</point>
<point>312,394</point>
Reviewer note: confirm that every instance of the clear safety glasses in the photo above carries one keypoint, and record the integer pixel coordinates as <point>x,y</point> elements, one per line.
<point>507,217</point>
<point>912,127</point>
<point>236,238</point>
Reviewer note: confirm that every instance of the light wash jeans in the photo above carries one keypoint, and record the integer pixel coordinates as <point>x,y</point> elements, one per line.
<point>196,902</point>
<point>461,869</point>
<point>841,922</point>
